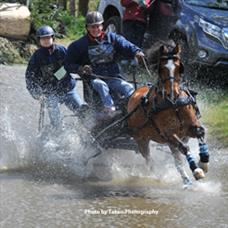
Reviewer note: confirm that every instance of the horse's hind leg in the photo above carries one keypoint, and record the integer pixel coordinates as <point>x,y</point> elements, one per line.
<point>179,165</point>
<point>197,172</point>
<point>203,147</point>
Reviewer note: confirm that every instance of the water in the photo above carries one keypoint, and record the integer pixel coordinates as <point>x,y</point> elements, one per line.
<point>44,183</point>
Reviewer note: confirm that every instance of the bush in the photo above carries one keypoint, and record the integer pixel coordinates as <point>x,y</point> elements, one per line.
<point>9,53</point>
<point>75,27</point>
<point>47,13</point>
<point>42,12</point>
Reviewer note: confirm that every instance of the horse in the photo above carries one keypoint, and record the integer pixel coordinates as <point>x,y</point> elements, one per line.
<point>166,113</point>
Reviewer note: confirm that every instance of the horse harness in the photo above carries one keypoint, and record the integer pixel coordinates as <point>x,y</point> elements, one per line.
<point>157,107</point>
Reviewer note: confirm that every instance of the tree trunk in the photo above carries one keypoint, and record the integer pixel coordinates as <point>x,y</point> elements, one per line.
<point>62,4</point>
<point>83,7</point>
<point>72,7</point>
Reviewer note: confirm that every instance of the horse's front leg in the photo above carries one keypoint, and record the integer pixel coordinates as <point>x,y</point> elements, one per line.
<point>198,173</point>
<point>144,149</point>
<point>203,147</point>
<point>180,165</point>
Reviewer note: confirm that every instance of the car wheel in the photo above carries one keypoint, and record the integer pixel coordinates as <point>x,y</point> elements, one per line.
<point>113,24</point>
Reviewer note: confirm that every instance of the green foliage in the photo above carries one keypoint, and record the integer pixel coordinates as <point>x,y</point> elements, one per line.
<point>215,116</point>
<point>46,13</point>
<point>9,53</point>
<point>93,4</point>
<point>75,27</point>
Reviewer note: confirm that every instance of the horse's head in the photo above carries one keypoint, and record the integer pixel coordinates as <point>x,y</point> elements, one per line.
<point>170,69</point>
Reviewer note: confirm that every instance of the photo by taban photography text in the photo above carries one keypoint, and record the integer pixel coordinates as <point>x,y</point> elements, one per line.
<point>120,212</point>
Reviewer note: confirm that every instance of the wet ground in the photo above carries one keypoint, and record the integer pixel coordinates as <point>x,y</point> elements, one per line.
<point>43,183</point>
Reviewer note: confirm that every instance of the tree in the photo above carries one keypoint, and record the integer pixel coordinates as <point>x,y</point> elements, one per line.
<point>83,7</point>
<point>62,4</point>
<point>72,7</point>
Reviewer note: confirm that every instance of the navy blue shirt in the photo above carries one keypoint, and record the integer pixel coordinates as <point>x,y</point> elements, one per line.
<point>77,54</point>
<point>40,77</point>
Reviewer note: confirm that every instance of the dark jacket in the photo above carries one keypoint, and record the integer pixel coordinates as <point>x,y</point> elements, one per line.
<point>77,54</point>
<point>40,77</point>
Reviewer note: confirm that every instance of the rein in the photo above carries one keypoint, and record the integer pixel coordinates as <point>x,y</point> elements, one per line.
<point>117,121</point>
<point>107,128</point>
<point>110,78</point>
<point>105,77</point>
<point>146,67</point>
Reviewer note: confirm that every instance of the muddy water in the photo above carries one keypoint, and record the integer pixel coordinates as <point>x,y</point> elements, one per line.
<point>44,183</point>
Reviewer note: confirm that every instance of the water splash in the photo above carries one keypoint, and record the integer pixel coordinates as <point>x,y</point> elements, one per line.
<point>13,146</point>
<point>65,151</point>
<point>211,187</point>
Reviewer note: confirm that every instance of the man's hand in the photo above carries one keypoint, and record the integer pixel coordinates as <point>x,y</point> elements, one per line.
<point>140,56</point>
<point>85,70</point>
<point>37,93</point>
<point>36,96</point>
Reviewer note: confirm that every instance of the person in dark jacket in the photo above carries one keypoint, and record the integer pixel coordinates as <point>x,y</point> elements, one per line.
<point>135,20</point>
<point>95,54</point>
<point>47,79</point>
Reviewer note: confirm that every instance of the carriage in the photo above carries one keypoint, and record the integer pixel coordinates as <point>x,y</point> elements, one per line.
<point>108,133</point>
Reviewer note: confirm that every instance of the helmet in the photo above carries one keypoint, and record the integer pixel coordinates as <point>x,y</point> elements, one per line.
<point>45,31</point>
<point>94,18</point>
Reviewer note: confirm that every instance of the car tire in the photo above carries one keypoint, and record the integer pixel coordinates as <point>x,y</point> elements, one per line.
<point>113,24</point>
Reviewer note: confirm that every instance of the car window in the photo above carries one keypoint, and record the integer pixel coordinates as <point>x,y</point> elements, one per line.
<point>217,4</point>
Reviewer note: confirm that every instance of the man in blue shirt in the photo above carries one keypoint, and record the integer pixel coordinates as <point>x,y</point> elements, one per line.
<point>47,79</point>
<point>96,54</point>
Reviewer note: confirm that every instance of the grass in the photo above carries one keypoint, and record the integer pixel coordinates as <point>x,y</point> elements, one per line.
<point>215,116</point>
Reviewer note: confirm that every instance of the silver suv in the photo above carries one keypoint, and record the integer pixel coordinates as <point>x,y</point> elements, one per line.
<point>112,12</point>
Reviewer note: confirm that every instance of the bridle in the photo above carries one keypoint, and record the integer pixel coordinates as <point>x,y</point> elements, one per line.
<point>170,78</point>
<point>169,56</point>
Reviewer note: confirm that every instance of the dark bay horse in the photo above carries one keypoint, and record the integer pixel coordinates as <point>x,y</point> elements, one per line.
<point>166,114</point>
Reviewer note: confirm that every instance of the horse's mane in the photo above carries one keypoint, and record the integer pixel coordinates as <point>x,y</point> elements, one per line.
<point>153,53</point>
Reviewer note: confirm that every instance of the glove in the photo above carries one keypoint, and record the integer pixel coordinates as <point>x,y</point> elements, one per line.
<point>37,93</point>
<point>85,70</point>
<point>140,56</point>
<point>36,96</point>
